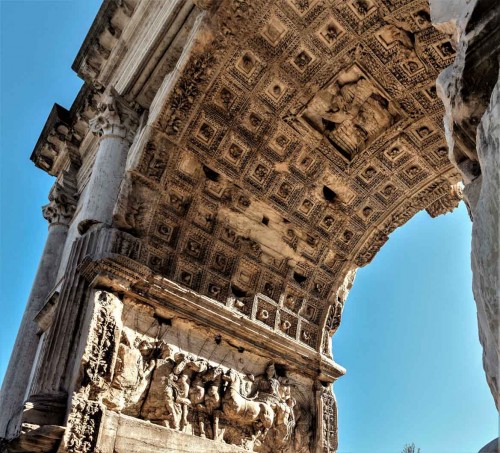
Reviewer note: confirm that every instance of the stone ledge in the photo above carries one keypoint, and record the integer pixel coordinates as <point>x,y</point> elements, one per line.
<point>123,434</point>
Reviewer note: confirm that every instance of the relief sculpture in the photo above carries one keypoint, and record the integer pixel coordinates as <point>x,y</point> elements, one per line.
<point>350,112</point>
<point>132,371</point>
<point>158,382</point>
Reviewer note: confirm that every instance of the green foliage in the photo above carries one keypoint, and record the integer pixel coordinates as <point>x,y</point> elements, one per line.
<point>410,448</point>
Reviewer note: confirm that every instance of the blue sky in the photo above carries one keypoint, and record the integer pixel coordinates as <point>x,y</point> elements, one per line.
<point>409,332</point>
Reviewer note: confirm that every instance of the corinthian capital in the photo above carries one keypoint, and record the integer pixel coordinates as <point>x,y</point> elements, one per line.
<point>61,206</point>
<point>114,117</point>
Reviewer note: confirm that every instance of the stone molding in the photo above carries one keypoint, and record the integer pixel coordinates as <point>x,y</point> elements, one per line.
<point>114,267</point>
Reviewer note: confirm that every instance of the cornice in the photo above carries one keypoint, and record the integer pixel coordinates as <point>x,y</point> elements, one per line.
<point>115,268</point>
<point>104,33</point>
<point>58,144</point>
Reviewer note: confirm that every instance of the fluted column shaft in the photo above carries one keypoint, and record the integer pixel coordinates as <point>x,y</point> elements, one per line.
<point>115,124</point>
<point>17,378</point>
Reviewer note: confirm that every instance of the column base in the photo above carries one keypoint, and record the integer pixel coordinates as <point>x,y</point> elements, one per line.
<point>34,439</point>
<point>45,410</point>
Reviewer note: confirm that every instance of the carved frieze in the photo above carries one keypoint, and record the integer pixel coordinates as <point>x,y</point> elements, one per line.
<point>130,367</point>
<point>158,382</point>
<point>351,112</point>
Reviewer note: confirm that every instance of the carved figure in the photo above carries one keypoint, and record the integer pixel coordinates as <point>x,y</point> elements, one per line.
<point>247,384</point>
<point>211,380</point>
<point>268,386</point>
<point>180,382</point>
<point>131,377</point>
<point>285,421</point>
<point>245,411</point>
<point>174,409</point>
<point>156,406</point>
<point>181,391</point>
<point>338,103</point>
<point>350,112</point>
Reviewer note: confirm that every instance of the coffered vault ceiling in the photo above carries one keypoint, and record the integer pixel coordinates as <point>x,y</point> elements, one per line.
<point>296,135</point>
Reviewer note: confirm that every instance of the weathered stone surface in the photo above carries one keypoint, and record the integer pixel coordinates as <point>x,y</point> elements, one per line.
<point>236,163</point>
<point>492,447</point>
<point>486,239</point>
<point>470,91</point>
<point>138,365</point>
<point>125,434</point>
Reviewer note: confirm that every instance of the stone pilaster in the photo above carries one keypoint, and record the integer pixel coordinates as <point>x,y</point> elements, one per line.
<point>326,422</point>
<point>115,124</point>
<point>15,390</point>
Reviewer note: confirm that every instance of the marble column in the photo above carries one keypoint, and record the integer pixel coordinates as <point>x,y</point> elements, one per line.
<point>115,123</point>
<point>58,213</point>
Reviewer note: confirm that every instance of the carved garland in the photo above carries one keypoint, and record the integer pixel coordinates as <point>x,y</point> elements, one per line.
<point>97,371</point>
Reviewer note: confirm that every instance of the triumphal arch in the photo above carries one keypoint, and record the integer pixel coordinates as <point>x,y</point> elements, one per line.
<point>223,172</point>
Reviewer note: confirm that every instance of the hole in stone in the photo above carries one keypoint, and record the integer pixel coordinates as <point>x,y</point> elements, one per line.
<point>163,320</point>
<point>299,278</point>
<point>280,370</point>
<point>265,220</point>
<point>218,338</point>
<point>211,174</point>
<point>238,292</point>
<point>329,194</point>
<point>475,168</point>
<point>286,221</point>
<point>241,349</point>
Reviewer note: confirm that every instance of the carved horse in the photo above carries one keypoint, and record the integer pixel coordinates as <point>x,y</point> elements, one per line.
<point>241,410</point>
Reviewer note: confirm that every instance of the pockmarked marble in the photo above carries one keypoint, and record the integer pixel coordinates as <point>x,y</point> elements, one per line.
<point>225,169</point>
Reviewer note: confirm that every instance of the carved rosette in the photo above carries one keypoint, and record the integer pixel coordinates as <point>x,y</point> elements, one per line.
<point>61,206</point>
<point>114,118</point>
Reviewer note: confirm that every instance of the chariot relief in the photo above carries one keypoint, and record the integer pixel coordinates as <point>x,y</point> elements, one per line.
<point>190,394</point>
<point>159,382</point>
